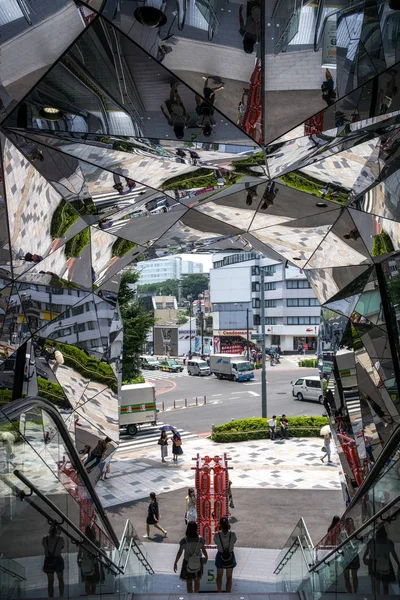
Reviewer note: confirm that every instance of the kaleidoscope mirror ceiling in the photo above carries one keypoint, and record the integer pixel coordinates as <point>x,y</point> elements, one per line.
<point>197,126</point>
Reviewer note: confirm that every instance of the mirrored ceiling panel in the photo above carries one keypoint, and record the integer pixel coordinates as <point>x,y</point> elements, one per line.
<point>213,48</point>
<point>23,61</point>
<point>329,283</point>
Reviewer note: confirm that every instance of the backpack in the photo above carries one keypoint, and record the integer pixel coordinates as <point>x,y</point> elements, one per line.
<point>226,555</point>
<point>194,561</point>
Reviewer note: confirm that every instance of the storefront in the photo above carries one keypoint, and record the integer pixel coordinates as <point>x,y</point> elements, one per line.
<point>233,341</point>
<point>308,343</point>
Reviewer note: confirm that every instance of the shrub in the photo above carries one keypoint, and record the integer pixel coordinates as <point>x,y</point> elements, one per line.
<point>63,218</point>
<point>75,246</point>
<point>51,391</point>
<point>309,362</point>
<point>310,185</point>
<point>5,396</point>
<point>13,428</point>
<point>121,247</point>
<point>138,379</point>
<point>243,430</point>
<point>88,366</point>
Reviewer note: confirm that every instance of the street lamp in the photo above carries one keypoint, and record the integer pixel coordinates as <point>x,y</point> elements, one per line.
<point>190,326</point>
<point>247,334</point>
<point>263,369</point>
<point>201,322</point>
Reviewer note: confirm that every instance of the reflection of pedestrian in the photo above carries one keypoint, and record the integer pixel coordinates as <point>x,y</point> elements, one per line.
<point>250,29</point>
<point>353,565</point>
<point>251,195</point>
<point>53,545</point>
<point>153,516</point>
<point>377,558</point>
<point>96,454</point>
<point>327,446</point>
<point>332,536</point>
<point>176,115</point>
<point>328,89</point>
<point>91,570</point>
<point>352,235</point>
<point>269,195</point>
<point>205,108</point>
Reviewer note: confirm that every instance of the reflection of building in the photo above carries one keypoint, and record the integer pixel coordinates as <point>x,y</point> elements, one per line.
<point>161,269</point>
<point>291,307</point>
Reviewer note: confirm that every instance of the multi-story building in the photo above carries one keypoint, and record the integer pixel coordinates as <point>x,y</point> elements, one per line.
<point>161,269</point>
<point>291,307</point>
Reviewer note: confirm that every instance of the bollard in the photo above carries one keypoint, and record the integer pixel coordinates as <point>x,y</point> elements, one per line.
<point>162,407</point>
<point>174,404</point>
<point>185,402</point>
<point>205,400</point>
<point>197,402</point>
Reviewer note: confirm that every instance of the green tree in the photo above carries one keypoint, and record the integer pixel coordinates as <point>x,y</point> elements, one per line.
<point>182,317</point>
<point>164,288</point>
<point>194,284</point>
<point>136,322</point>
<point>382,244</point>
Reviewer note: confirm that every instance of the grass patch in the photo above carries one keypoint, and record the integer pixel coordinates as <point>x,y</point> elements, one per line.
<point>243,430</point>
<point>63,218</point>
<point>121,247</point>
<point>310,185</point>
<point>75,246</point>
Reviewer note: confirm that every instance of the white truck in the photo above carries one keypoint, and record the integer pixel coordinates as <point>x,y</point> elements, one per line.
<point>137,406</point>
<point>231,366</point>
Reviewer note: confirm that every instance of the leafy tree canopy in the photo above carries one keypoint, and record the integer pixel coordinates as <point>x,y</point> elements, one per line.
<point>164,288</point>
<point>194,284</point>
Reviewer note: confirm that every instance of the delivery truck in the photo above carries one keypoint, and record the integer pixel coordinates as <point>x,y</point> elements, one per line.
<point>137,406</point>
<point>231,366</point>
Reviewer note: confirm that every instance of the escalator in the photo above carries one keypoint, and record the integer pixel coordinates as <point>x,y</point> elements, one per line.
<point>361,553</point>
<point>45,486</point>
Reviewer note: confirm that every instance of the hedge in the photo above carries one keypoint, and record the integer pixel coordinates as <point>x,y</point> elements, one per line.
<point>310,185</point>
<point>63,218</point>
<point>309,362</point>
<point>52,391</point>
<point>75,246</point>
<point>5,396</point>
<point>88,366</point>
<point>121,247</point>
<point>138,379</point>
<point>243,430</point>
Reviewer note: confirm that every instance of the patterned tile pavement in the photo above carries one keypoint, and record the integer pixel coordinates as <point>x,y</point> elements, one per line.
<point>291,464</point>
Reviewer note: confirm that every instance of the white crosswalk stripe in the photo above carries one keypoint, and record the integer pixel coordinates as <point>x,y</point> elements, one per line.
<point>157,375</point>
<point>147,436</point>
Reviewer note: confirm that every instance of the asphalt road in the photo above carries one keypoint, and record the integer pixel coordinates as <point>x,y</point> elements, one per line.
<point>228,400</point>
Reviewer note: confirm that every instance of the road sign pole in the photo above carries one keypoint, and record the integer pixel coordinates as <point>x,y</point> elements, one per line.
<point>263,370</point>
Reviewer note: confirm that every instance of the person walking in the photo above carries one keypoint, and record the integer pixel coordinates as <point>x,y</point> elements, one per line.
<point>153,516</point>
<point>284,427</point>
<point>225,540</point>
<point>250,29</point>
<point>327,446</point>
<point>176,116</point>
<point>192,546</point>
<point>272,427</point>
<point>191,510</point>
<point>96,454</point>
<point>91,570</point>
<point>176,446</point>
<point>53,545</point>
<point>352,564</point>
<point>163,442</point>
<point>332,535</point>
<point>205,108</point>
<point>377,558</point>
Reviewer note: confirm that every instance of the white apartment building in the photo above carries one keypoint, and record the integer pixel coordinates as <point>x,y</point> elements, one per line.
<point>291,308</point>
<point>161,269</point>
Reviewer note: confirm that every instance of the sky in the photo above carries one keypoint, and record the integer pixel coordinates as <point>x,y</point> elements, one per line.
<point>206,259</point>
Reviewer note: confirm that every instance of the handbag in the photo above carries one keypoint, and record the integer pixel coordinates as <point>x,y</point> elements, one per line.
<point>178,443</point>
<point>50,561</point>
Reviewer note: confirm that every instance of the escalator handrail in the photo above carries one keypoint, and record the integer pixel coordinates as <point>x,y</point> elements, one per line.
<point>356,533</point>
<point>317,42</point>
<point>16,407</point>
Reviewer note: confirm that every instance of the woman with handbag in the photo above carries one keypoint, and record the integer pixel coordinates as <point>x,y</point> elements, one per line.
<point>225,559</point>
<point>53,545</point>
<point>193,545</point>
<point>176,446</point>
<point>377,558</point>
<point>163,442</point>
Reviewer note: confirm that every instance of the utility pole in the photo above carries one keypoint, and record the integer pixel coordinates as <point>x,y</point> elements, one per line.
<point>247,334</point>
<point>190,326</point>
<point>263,370</point>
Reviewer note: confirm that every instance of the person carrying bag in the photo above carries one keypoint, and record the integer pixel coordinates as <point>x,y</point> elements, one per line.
<point>225,559</point>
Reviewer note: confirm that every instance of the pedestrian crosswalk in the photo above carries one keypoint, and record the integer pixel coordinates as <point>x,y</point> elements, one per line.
<point>154,375</point>
<point>148,436</point>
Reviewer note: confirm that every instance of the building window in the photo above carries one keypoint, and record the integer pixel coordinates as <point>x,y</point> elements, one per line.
<point>270,320</point>
<point>256,320</point>
<point>303,320</point>
<point>255,302</point>
<point>255,286</point>
<point>302,302</point>
<point>255,270</point>
<point>270,270</point>
<point>270,303</point>
<point>270,286</point>
<point>77,310</point>
<point>297,284</point>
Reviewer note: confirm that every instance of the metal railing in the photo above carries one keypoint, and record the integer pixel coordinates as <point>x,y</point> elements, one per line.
<point>341,11</point>
<point>12,412</point>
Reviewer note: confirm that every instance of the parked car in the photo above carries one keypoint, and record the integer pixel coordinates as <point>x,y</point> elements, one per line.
<point>171,366</point>
<point>149,362</point>
<point>308,388</point>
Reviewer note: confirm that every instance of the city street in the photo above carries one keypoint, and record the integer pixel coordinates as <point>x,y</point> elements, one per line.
<point>228,400</point>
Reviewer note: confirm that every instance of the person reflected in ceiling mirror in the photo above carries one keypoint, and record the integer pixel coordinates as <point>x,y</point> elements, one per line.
<point>328,88</point>
<point>53,545</point>
<point>352,235</point>
<point>269,195</point>
<point>250,29</point>
<point>176,114</point>
<point>205,108</point>
<point>251,195</point>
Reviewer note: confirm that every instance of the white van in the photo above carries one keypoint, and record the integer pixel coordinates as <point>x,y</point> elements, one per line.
<point>308,388</point>
<point>198,367</point>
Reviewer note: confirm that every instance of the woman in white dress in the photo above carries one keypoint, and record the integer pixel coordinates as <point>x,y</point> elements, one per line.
<point>191,510</point>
